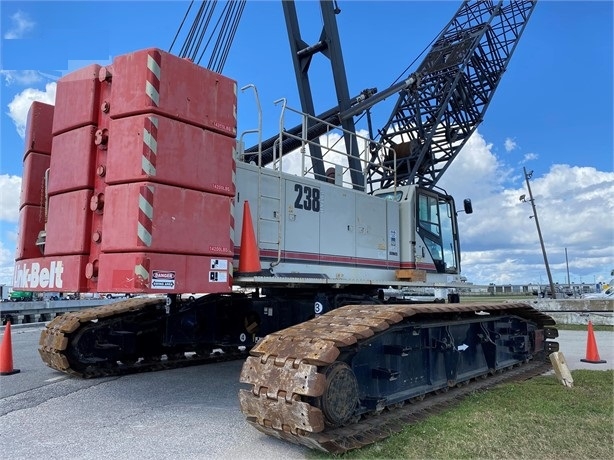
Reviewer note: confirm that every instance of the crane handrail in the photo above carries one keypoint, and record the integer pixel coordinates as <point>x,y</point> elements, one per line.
<point>331,133</point>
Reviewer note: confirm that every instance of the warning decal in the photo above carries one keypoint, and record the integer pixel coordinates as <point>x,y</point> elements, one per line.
<point>218,277</point>
<point>161,279</point>
<point>219,271</point>
<point>219,264</point>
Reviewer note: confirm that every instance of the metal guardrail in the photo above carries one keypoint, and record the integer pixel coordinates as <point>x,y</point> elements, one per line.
<point>578,311</point>
<point>37,311</point>
<point>574,305</point>
<point>570,311</point>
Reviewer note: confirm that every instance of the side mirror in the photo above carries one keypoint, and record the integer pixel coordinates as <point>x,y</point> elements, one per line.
<point>467,206</point>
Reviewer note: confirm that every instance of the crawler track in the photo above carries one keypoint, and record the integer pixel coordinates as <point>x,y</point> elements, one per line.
<point>296,377</point>
<point>61,342</point>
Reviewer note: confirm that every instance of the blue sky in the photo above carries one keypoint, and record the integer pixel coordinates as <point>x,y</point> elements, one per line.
<point>552,112</point>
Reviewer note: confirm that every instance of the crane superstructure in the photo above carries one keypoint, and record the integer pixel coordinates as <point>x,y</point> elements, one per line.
<point>147,190</point>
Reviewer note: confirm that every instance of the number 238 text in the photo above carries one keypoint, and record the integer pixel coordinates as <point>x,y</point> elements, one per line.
<point>307,198</point>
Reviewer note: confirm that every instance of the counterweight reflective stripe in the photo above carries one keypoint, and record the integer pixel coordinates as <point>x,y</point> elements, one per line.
<point>142,273</point>
<point>152,85</point>
<point>234,107</point>
<point>150,146</point>
<point>145,224</point>
<point>232,201</point>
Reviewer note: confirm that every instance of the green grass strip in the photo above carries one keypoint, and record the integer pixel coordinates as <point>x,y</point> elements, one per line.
<point>535,419</point>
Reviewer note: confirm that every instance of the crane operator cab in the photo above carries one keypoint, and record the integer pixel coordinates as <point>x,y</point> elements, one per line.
<point>428,218</point>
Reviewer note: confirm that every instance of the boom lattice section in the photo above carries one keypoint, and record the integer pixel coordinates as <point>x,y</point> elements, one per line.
<point>453,86</point>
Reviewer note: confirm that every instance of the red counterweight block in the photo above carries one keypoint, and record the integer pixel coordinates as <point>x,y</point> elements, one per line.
<point>141,174</point>
<point>31,223</point>
<point>153,81</point>
<point>32,208</point>
<point>33,182</point>
<point>69,223</point>
<point>73,161</point>
<point>163,273</point>
<point>39,128</point>
<point>145,216</point>
<point>160,149</point>
<point>77,99</point>
<point>64,273</point>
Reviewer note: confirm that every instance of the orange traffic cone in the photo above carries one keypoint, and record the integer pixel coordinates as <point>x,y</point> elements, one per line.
<point>249,258</point>
<point>6,353</point>
<point>592,355</point>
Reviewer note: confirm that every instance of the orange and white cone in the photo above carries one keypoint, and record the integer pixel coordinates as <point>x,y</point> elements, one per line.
<point>249,257</point>
<point>6,353</point>
<point>592,354</point>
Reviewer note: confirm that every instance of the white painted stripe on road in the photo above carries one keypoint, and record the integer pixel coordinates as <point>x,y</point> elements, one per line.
<point>61,377</point>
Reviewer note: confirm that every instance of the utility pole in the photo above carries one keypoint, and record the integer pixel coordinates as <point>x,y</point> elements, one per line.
<point>567,263</point>
<point>527,176</point>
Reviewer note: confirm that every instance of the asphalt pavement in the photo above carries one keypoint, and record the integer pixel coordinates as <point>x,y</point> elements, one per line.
<point>189,413</point>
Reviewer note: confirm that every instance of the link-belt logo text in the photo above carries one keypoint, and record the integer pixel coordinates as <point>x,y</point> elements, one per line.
<point>37,277</point>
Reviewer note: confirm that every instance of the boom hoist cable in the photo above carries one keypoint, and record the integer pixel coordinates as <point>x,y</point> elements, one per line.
<point>211,32</point>
<point>231,17</point>
<point>439,105</point>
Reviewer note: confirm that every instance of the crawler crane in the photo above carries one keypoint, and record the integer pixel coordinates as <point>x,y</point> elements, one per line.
<point>147,189</point>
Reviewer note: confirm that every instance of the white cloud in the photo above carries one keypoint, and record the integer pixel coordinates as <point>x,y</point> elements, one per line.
<point>10,190</point>
<point>476,172</point>
<point>20,26</point>
<point>21,77</point>
<point>530,157</point>
<point>19,106</point>
<point>509,144</point>
<point>333,153</point>
<point>499,241</point>
<point>7,261</point>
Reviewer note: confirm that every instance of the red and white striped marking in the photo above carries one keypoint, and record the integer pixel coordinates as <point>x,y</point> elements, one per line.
<point>152,85</point>
<point>150,146</point>
<point>232,209</point>
<point>141,270</point>
<point>145,224</point>
<point>234,111</point>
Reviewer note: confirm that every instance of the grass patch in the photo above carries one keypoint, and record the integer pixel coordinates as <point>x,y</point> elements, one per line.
<point>583,327</point>
<point>538,418</point>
